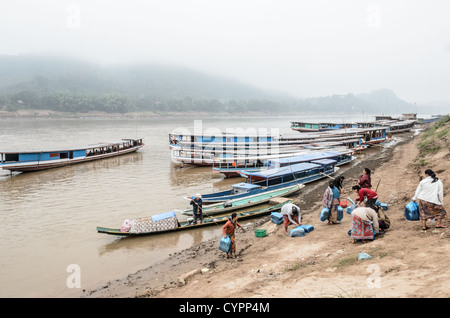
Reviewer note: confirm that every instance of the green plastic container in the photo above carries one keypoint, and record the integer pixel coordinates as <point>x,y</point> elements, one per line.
<point>260,232</point>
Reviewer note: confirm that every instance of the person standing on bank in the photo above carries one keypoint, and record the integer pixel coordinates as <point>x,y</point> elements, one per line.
<point>197,207</point>
<point>229,230</point>
<point>331,201</point>
<point>430,198</point>
<point>365,180</point>
<point>291,215</point>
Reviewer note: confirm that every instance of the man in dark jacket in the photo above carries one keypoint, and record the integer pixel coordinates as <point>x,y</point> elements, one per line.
<point>197,209</point>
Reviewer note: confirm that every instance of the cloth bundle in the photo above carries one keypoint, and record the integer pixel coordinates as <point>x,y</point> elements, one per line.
<point>156,223</point>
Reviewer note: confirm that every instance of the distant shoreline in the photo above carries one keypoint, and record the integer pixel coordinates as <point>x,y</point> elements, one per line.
<point>49,114</point>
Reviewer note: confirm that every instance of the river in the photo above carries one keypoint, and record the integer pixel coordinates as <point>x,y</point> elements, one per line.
<point>49,218</point>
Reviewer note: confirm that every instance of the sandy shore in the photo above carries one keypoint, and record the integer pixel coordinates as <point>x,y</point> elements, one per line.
<point>406,261</point>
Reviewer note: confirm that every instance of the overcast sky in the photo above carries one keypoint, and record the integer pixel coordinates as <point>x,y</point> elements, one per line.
<point>306,48</point>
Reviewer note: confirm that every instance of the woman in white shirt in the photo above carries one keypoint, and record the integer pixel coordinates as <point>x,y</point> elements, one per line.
<point>430,197</point>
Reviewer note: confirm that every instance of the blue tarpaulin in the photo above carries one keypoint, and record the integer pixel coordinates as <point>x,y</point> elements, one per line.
<point>163,216</point>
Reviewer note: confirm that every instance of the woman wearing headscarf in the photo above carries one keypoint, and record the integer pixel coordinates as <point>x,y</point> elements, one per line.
<point>430,198</point>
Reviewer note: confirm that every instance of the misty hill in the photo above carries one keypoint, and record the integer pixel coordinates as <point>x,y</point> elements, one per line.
<point>61,84</point>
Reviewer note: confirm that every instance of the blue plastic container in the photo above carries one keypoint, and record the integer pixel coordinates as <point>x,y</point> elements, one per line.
<point>350,209</point>
<point>340,214</point>
<point>384,206</point>
<point>324,214</point>
<point>412,211</point>
<point>297,232</point>
<point>276,218</point>
<point>225,244</point>
<point>307,228</point>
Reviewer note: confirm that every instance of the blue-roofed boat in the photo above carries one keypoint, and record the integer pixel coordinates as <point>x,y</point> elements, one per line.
<point>322,126</point>
<point>245,190</point>
<point>233,167</point>
<point>247,201</point>
<point>34,160</point>
<point>301,173</point>
<point>264,181</point>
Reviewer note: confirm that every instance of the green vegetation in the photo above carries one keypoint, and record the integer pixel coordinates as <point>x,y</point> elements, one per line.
<point>432,139</point>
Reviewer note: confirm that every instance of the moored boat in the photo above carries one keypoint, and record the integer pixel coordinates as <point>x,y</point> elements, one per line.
<point>301,173</point>
<point>247,201</point>
<point>304,126</point>
<point>34,160</point>
<point>206,149</point>
<point>232,167</point>
<point>168,222</point>
<point>242,190</point>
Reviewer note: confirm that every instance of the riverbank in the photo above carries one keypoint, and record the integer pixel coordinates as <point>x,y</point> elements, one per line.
<point>406,261</point>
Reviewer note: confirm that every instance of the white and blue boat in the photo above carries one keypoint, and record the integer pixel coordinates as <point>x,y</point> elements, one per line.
<point>233,167</point>
<point>34,160</point>
<point>275,179</point>
<point>301,173</point>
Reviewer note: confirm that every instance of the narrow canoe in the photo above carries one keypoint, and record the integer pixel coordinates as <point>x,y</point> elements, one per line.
<point>206,221</point>
<point>252,200</point>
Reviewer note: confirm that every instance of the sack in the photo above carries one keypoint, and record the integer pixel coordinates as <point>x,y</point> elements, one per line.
<point>297,232</point>
<point>412,211</point>
<point>340,214</point>
<point>225,244</point>
<point>307,228</point>
<point>324,214</point>
<point>276,218</point>
<point>383,220</point>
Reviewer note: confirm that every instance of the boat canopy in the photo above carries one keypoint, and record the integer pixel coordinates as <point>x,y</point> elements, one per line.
<point>278,172</point>
<point>245,186</point>
<point>307,157</point>
<point>325,161</point>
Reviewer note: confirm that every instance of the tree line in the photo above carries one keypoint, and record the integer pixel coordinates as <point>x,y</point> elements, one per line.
<point>123,103</point>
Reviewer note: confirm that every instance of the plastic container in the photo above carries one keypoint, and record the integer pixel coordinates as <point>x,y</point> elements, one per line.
<point>225,244</point>
<point>343,204</point>
<point>384,206</point>
<point>276,218</point>
<point>412,211</point>
<point>324,214</point>
<point>307,228</point>
<point>260,232</point>
<point>297,232</point>
<point>351,208</point>
<point>340,214</point>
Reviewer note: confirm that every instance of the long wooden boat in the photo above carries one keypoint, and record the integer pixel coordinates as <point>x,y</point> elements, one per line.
<point>187,225</point>
<point>301,173</point>
<point>233,167</point>
<point>304,126</point>
<point>279,178</point>
<point>394,126</point>
<point>207,149</point>
<point>34,160</point>
<point>248,201</point>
